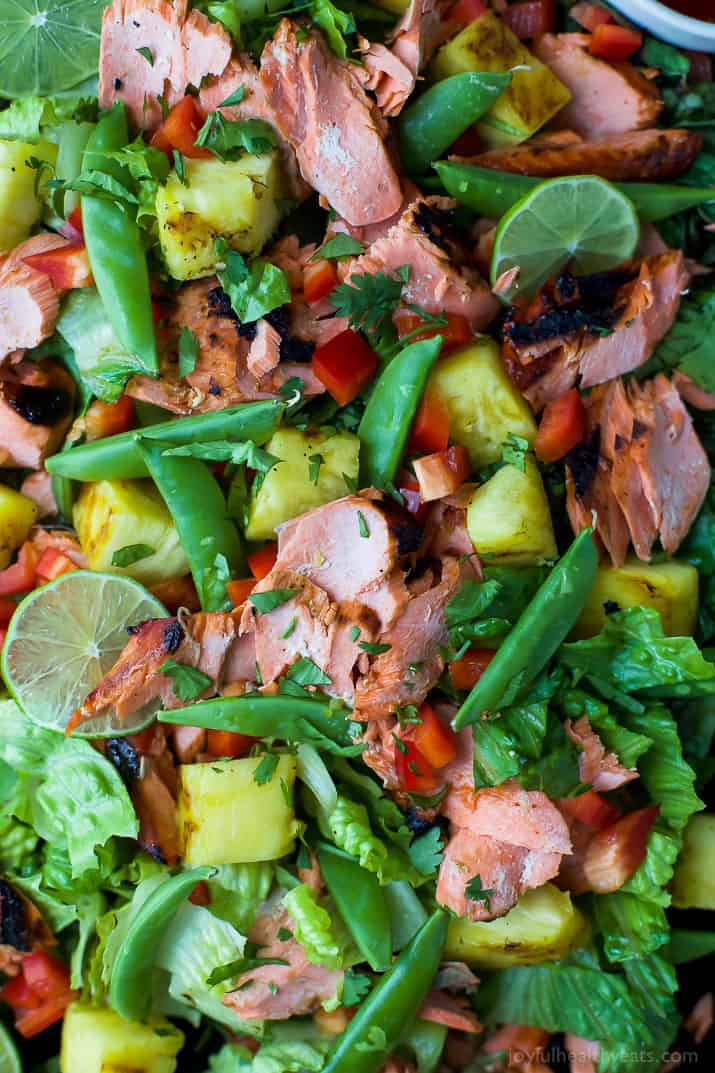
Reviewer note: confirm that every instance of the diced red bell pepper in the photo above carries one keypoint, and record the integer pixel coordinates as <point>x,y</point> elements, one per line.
<point>229,743</point>
<point>562,427</point>
<point>590,15</point>
<point>21,576</point>
<point>179,131</point>
<point>614,853</point>
<point>239,590</point>
<point>52,563</point>
<point>455,333</point>
<point>67,267</point>
<point>200,895</point>
<point>466,11</point>
<point>177,592</point>
<point>466,671</point>
<point>109,418</point>
<point>433,738</point>
<point>345,365</point>
<point>17,994</point>
<point>7,610</point>
<point>262,560</point>
<point>409,489</point>
<point>46,976</point>
<point>30,1023</point>
<point>612,42</point>
<point>430,428</point>
<point>40,995</point>
<point>531,18</point>
<point>414,772</point>
<point>442,473</point>
<point>319,279</point>
<point>590,809</point>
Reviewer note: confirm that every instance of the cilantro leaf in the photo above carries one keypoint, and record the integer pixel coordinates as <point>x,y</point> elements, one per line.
<point>374,649</point>
<point>147,54</point>
<point>315,462</point>
<point>132,553</point>
<point>426,852</point>
<point>362,525</point>
<point>252,291</point>
<point>188,351</point>
<point>245,453</point>
<point>179,167</point>
<point>514,450</point>
<point>234,98</point>
<point>355,986</point>
<point>266,769</point>
<point>335,23</point>
<point>270,600</point>
<point>307,673</point>
<point>188,682</point>
<point>229,139</point>
<point>477,893</point>
<point>368,302</point>
<point>338,247</point>
<point>238,967</point>
<point>690,343</point>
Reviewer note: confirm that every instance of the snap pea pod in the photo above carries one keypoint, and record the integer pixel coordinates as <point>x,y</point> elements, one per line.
<point>114,246</point>
<point>130,985</point>
<point>407,914</point>
<point>546,621</point>
<point>295,719</point>
<point>436,119</point>
<point>361,902</point>
<point>385,425</point>
<point>392,1004</point>
<point>492,193</point>
<point>198,508</point>
<point>118,458</point>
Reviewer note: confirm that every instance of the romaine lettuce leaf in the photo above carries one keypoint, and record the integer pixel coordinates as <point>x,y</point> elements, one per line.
<point>237,890</point>
<point>348,825</point>
<point>322,935</point>
<point>290,1047</point>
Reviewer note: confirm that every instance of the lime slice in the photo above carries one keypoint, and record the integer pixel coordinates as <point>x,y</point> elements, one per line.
<point>9,1058</point>
<point>579,219</point>
<point>63,639</point>
<point>47,45</point>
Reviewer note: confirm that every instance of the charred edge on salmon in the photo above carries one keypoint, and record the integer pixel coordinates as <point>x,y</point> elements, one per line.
<point>582,303</point>
<point>436,224</point>
<point>416,822</point>
<point>125,758</point>
<point>39,405</point>
<point>13,921</point>
<point>173,635</point>
<point>407,533</point>
<point>219,304</point>
<point>214,387</point>
<point>582,464</point>
<point>291,349</point>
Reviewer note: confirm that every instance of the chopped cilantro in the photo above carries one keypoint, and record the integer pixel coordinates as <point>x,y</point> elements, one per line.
<point>315,462</point>
<point>147,54</point>
<point>289,628</point>
<point>362,525</point>
<point>132,553</point>
<point>271,599</point>
<point>307,673</point>
<point>374,649</point>
<point>188,351</point>
<point>266,769</point>
<point>188,683</point>
<point>476,893</point>
<point>337,247</point>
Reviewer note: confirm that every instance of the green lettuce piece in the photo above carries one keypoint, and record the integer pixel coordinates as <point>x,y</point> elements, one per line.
<point>238,889</point>
<point>18,841</point>
<point>629,926</point>
<point>650,880</point>
<point>384,814</point>
<point>24,746</point>
<point>633,652</point>
<point>24,119</point>
<point>349,827</point>
<point>56,911</point>
<point>322,935</point>
<point>290,1047</point>
<point>102,362</point>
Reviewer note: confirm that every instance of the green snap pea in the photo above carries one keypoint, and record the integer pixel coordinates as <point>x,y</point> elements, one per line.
<point>118,458</point>
<point>361,902</point>
<point>114,246</point>
<point>198,508</point>
<point>377,1027</point>
<point>492,193</point>
<point>426,1041</point>
<point>385,425</point>
<point>294,719</point>
<point>407,914</point>
<point>546,621</point>
<point>436,119</point>
<point>130,985</point>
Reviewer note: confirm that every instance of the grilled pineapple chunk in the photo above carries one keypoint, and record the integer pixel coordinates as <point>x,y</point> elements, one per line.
<point>236,200</point>
<point>508,517</point>
<point>484,405</point>
<point>227,817</point>
<point>20,205</point>
<point>693,884</point>
<point>542,926</point>
<point>111,515</point>
<point>17,515</point>
<point>534,95</point>
<point>96,1040</point>
<point>287,489</point>
<point>670,588</point>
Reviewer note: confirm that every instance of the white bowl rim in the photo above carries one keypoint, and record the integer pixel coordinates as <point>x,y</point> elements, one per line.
<point>661,19</point>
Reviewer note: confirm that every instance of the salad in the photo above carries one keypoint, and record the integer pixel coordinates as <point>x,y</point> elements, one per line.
<point>357,538</point>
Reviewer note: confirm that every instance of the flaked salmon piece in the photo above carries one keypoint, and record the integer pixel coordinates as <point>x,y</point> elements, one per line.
<point>385,75</point>
<point>156,811</point>
<point>637,156</point>
<point>363,576</point>
<point>691,393</point>
<point>276,992</point>
<point>446,532</point>
<point>36,403</point>
<point>421,241</point>
<point>452,1011</point>
<point>414,663</point>
<point>59,540</point>
<point>38,488</point>
<point>420,31</point>
<point>242,71</point>
<point>29,306</point>
<point>597,767</point>
<point>188,742</point>
<point>371,232</point>
<point>606,98</point>
<point>264,352</point>
<point>185,47</point>
<point>701,1018</point>
<point>326,116</point>
<point>583,1053</point>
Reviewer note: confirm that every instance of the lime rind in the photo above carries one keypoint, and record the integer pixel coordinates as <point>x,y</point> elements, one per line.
<point>65,636</point>
<point>579,218</point>
<point>47,46</point>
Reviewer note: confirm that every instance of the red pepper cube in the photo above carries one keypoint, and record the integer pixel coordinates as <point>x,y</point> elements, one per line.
<point>345,366</point>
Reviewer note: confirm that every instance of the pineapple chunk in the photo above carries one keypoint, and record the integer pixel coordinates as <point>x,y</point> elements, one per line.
<point>693,884</point>
<point>17,515</point>
<point>484,405</point>
<point>20,205</point>
<point>534,95</point>
<point>234,200</point>
<point>110,515</point>
<point>508,517</point>
<point>287,489</point>
<point>669,588</point>
<point>226,817</point>
<point>542,926</point>
<point>96,1040</point>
